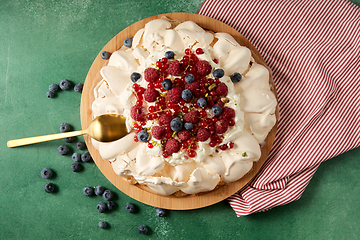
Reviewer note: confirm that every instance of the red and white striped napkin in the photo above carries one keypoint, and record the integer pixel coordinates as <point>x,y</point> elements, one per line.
<point>313,49</point>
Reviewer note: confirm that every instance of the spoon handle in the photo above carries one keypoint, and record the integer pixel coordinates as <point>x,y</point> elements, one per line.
<point>45,138</point>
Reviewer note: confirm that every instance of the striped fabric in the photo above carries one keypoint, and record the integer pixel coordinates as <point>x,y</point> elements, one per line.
<point>313,49</point>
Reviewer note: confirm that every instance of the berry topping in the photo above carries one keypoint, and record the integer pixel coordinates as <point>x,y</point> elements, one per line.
<point>186,94</point>
<point>218,73</point>
<point>199,51</point>
<point>150,95</point>
<point>151,75</point>
<point>221,89</point>
<point>176,124</point>
<point>221,126</point>
<point>192,86</point>
<point>135,76</point>
<point>189,78</point>
<point>192,116</point>
<point>184,135</point>
<point>174,94</point>
<point>167,84</point>
<point>174,68</point>
<point>169,54</point>
<point>203,67</point>
<point>105,55</point>
<point>172,146</point>
<point>157,132</point>
<point>235,77</point>
<point>188,126</point>
<point>143,136</point>
<point>227,113</point>
<point>164,120</point>
<point>128,42</point>
<point>216,110</point>
<point>137,113</point>
<point>203,134</point>
<point>201,102</point>
<point>46,173</point>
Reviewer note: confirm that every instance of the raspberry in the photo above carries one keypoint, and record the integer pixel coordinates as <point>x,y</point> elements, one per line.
<point>221,89</point>
<point>227,113</point>
<point>151,75</point>
<point>157,132</point>
<point>150,95</point>
<point>164,120</point>
<point>174,94</point>
<point>203,67</point>
<point>174,68</point>
<point>192,86</point>
<point>203,134</point>
<point>137,113</point>
<point>192,116</point>
<point>184,135</point>
<point>172,146</point>
<point>221,126</point>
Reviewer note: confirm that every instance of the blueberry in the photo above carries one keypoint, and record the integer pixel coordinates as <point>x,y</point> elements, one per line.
<point>128,42</point>
<point>188,126</point>
<point>130,208</point>
<point>167,84</point>
<point>107,195</point>
<point>101,207</point>
<point>105,55</point>
<point>86,157</point>
<point>135,76</point>
<point>64,127</point>
<point>50,94</point>
<point>110,205</point>
<point>143,229</point>
<point>49,187</point>
<point>76,157</point>
<point>176,124</point>
<point>216,109</point>
<point>160,212</point>
<point>186,94</point>
<point>53,87</point>
<point>69,139</point>
<point>235,77</point>
<point>75,167</point>
<point>202,102</point>
<point>46,173</point>
<point>79,87</point>
<point>88,191</point>
<point>80,145</point>
<point>99,190</point>
<point>169,54</point>
<point>65,84</point>
<point>63,149</point>
<point>102,224</point>
<point>189,78</point>
<point>143,136</point>
<point>218,73</point>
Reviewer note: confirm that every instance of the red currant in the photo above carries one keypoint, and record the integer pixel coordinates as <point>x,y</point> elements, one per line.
<point>151,109</point>
<point>165,154</point>
<point>199,51</point>
<point>187,51</point>
<point>231,144</point>
<point>185,109</point>
<point>136,139</point>
<point>223,147</point>
<point>192,153</point>
<point>231,122</point>
<point>150,145</point>
<point>212,144</point>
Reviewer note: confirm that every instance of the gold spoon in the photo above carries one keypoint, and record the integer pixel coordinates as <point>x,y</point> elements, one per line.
<point>104,128</point>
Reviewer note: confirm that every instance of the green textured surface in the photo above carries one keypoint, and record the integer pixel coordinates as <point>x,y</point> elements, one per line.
<point>42,42</point>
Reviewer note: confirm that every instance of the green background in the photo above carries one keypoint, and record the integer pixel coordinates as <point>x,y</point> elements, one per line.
<point>42,42</point>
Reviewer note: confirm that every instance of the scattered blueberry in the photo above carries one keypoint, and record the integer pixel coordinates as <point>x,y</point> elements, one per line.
<point>218,73</point>
<point>102,224</point>
<point>216,109</point>
<point>101,207</point>
<point>143,229</point>
<point>88,191</point>
<point>76,157</point>
<point>160,212</point>
<point>99,190</point>
<point>65,84</point>
<point>167,84</point>
<point>80,145</point>
<point>235,77</point>
<point>46,173</point>
<point>186,94</point>
<point>189,78</point>
<point>202,102</point>
<point>169,54</point>
<point>64,127</point>
<point>79,87</point>
<point>53,87</point>
<point>69,139</point>
<point>188,126</point>
<point>128,42</point>
<point>49,187</point>
<point>63,149</point>
<point>176,124</point>
<point>135,76</point>
<point>50,94</point>
<point>110,205</point>
<point>86,157</point>
<point>105,55</point>
<point>107,195</point>
<point>75,167</point>
<point>143,136</point>
<point>130,208</point>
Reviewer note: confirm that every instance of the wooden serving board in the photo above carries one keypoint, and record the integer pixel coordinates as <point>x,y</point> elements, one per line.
<point>142,193</point>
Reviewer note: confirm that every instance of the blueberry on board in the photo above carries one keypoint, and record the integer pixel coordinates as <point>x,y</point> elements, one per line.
<point>105,55</point>
<point>169,54</point>
<point>46,173</point>
<point>69,139</point>
<point>50,94</point>
<point>189,78</point>
<point>76,157</point>
<point>110,205</point>
<point>216,110</point>
<point>101,207</point>
<point>135,76</point>
<point>188,126</point>
<point>65,84</point>
<point>218,73</point>
<point>86,157</point>
<point>88,191</point>
<point>235,77</point>
<point>53,87</point>
<point>102,224</point>
<point>79,87</point>
<point>186,94</point>
<point>167,84</point>
<point>63,149</point>
<point>75,167</point>
<point>176,124</point>
<point>130,208</point>
<point>143,229</point>
<point>143,136</point>
<point>80,145</point>
<point>99,190</point>
<point>49,187</point>
<point>128,42</point>
<point>107,195</point>
<point>64,127</point>
<point>160,212</point>
<point>201,102</point>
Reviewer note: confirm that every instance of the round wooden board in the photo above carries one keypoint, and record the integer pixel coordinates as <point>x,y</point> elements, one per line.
<point>142,193</point>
